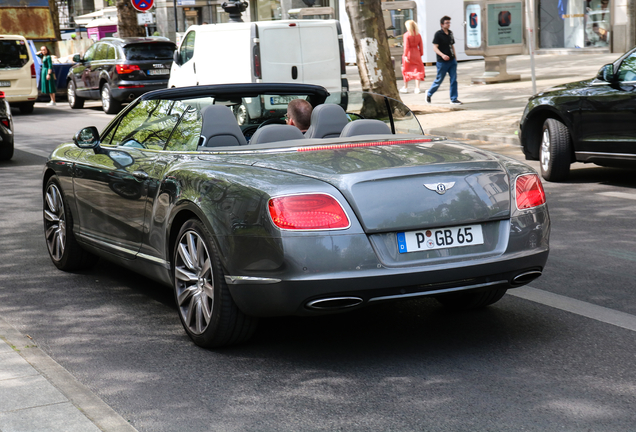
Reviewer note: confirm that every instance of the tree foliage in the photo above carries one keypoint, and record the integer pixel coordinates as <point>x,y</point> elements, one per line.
<point>372,47</point>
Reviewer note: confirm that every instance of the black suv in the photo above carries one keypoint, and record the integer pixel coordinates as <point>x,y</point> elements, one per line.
<point>591,121</point>
<point>6,129</point>
<point>118,70</point>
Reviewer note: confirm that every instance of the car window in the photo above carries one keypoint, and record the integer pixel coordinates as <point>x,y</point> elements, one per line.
<point>187,48</point>
<point>90,54</point>
<point>149,51</point>
<point>148,125</point>
<point>187,133</point>
<point>13,54</point>
<point>112,55</point>
<point>101,52</point>
<point>627,71</point>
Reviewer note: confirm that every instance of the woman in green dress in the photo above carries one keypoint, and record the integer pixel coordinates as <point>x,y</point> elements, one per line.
<point>47,76</point>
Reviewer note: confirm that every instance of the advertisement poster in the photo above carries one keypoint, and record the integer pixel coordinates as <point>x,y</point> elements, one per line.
<point>473,29</point>
<point>505,24</point>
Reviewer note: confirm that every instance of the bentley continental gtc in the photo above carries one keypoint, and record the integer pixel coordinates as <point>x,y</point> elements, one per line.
<point>247,217</point>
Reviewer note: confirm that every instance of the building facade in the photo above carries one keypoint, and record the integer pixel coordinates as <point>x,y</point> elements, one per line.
<point>590,25</point>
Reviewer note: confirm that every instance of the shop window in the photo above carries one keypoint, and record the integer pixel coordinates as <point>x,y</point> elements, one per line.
<point>574,23</point>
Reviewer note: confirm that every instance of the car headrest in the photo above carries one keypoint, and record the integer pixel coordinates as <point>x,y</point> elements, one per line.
<point>365,127</point>
<point>327,121</point>
<point>220,128</point>
<point>276,132</point>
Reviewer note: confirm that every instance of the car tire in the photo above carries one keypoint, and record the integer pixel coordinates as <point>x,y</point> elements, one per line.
<point>109,105</point>
<point>6,152</point>
<point>63,248</point>
<point>555,151</point>
<point>465,300</point>
<point>74,101</point>
<point>26,107</point>
<point>206,308</point>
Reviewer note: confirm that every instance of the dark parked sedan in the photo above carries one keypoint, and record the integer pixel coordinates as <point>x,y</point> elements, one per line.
<point>259,220</point>
<point>118,70</point>
<point>6,129</point>
<point>586,121</point>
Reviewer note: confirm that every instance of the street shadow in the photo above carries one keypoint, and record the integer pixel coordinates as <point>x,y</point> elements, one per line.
<point>587,173</point>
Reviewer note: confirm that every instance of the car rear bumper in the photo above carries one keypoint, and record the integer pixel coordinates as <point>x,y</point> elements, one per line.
<point>293,297</point>
<point>21,97</point>
<point>129,90</point>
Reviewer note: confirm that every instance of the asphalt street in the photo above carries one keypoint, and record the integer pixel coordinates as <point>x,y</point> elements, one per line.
<point>558,355</point>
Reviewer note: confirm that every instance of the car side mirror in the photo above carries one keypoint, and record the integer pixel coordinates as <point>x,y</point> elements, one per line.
<point>77,58</point>
<point>87,138</point>
<point>176,57</point>
<point>606,73</point>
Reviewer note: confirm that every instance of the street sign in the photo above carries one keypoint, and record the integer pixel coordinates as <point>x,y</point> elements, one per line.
<point>145,18</point>
<point>142,5</point>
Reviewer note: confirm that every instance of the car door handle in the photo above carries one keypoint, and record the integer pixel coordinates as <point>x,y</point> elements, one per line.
<point>140,175</point>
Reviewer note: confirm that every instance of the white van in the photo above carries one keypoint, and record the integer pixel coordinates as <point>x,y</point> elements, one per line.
<point>292,51</point>
<point>17,73</point>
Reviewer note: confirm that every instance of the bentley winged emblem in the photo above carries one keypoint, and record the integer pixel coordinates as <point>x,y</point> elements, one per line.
<point>440,188</point>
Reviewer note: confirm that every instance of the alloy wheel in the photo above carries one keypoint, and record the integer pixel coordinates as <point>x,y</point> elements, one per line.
<point>70,93</point>
<point>545,150</point>
<point>106,98</point>
<point>194,282</point>
<point>55,222</point>
<point>241,115</point>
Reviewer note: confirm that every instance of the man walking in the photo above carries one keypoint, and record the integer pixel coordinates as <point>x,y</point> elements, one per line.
<point>444,47</point>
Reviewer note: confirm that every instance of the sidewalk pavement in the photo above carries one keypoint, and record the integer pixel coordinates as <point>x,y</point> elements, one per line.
<point>491,112</point>
<point>37,394</point>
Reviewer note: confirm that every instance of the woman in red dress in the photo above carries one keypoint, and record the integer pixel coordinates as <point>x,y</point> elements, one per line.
<point>412,66</point>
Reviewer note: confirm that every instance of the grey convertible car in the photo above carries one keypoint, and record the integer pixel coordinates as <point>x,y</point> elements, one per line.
<point>251,218</point>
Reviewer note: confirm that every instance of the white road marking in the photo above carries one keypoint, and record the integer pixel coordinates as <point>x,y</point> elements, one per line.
<point>589,310</point>
<point>618,195</point>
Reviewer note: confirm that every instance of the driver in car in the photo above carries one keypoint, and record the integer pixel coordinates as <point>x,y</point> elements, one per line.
<point>299,114</point>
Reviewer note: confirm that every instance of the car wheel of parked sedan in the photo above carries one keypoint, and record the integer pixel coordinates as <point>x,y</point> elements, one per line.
<point>206,308</point>
<point>64,250</point>
<point>555,152</point>
<point>471,299</point>
<point>74,101</point>
<point>109,105</point>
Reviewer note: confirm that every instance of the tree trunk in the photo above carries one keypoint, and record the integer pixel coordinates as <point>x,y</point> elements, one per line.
<point>56,18</point>
<point>372,47</point>
<point>127,20</point>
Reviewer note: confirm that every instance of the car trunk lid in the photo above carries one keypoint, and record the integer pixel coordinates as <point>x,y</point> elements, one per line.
<point>403,187</point>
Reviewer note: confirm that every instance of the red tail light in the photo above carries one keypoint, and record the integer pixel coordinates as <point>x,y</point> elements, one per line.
<point>529,191</point>
<point>308,212</point>
<point>33,75</point>
<point>257,61</point>
<point>5,122</point>
<point>126,68</point>
<point>1,95</point>
<point>343,65</point>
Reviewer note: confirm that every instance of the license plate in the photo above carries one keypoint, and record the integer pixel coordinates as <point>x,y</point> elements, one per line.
<point>158,71</point>
<point>5,83</point>
<point>281,100</point>
<point>439,238</point>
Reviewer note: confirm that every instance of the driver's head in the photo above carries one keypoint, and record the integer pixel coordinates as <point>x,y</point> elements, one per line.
<point>299,114</point>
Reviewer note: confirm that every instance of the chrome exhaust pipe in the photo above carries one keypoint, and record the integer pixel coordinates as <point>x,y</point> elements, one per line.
<point>526,277</point>
<point>334,303</point>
